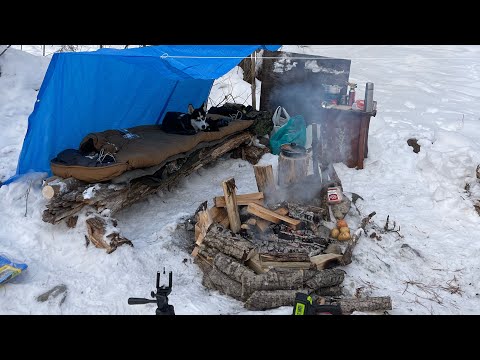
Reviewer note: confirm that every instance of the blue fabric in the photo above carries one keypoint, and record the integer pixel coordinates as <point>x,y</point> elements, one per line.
<point>9,269</point>
<point>87,92</point>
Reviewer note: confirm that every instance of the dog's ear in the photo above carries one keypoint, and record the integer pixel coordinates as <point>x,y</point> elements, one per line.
<point>191,109</point>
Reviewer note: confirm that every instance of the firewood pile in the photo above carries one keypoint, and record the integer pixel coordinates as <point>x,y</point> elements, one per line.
<point>69,197</point>
<point>262,251</point>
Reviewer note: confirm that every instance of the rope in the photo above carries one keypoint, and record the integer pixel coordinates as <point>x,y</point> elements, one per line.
<point>165,55</point>
<point>103,154</point>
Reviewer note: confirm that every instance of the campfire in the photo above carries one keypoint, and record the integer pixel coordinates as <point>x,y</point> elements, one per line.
<point>263,248</point>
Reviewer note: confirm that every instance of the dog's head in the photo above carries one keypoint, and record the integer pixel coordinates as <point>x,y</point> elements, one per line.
<point>198,117</point>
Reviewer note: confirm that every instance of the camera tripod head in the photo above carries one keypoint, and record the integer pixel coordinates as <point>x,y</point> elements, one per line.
<point>160,297</point>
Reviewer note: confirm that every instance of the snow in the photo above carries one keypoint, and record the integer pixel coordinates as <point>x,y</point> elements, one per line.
<point>431,93</point>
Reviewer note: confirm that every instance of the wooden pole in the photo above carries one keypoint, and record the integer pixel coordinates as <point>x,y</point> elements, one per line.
<point>231,204</point>
<point>264,178</point>
<point>315,149</point>
<point>254,85</point>
<point>43,50</point>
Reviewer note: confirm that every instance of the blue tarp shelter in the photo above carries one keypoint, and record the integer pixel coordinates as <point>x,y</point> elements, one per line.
<point>88,92</point>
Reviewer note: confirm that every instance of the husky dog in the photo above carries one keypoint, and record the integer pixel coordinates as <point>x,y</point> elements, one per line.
<point>198,117</point>
<point>186,123</point>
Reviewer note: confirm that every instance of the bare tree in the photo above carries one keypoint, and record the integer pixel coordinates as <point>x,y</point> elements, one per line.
<point>67,48</point>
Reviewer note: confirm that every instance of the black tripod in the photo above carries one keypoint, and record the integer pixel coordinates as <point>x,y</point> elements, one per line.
<point>163,308</point>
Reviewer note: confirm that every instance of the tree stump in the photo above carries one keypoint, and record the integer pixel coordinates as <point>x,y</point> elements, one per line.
<point>292,169</point>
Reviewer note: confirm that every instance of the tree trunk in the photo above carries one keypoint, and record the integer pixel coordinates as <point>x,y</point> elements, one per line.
<point>365,304</point>
<point>273,280</point>
<point>117,197</point>
<point>225,242</point>
<point>232,268</point>
<point>324,278</point>
<point>60,186</point>
<point>207,253</point>
<point>264,300</point>
<point>291,169</point>
<point>329,291</point>
<point>224,284</point>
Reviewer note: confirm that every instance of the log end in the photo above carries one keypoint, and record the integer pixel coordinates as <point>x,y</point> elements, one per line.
<point>48,192</point>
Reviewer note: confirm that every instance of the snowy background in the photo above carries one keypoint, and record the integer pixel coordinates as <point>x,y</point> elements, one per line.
<point>431,266</point>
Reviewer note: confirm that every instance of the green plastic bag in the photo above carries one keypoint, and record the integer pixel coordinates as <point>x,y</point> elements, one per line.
<point>295,130</point>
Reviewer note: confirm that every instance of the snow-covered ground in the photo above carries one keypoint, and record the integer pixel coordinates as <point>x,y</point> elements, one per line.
<point>431,93</point>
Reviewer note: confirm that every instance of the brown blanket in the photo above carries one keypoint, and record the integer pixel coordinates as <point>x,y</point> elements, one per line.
<point>151,147</point>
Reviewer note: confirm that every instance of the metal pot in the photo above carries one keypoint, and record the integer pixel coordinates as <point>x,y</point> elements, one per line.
<point>292,150</point>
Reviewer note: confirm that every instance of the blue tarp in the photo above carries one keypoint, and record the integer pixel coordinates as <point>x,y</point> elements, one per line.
<point>88,92</point>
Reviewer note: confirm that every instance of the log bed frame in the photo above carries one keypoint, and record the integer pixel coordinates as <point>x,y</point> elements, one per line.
<point>69,196</point>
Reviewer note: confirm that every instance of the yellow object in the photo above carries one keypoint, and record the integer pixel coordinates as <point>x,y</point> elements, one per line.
<point>8,272</point>
<point>345,230</point>
<point>300,308</point>
<point>334,233</point>
<point>344,236</point>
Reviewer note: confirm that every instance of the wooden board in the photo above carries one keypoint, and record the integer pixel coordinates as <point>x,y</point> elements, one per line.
<point>242,199</point>
<point>281,79</point>
<point>270,215</point>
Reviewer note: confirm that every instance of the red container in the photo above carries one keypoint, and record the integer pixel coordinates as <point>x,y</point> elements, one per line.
<point>351,97</point>
<point>334,195</point>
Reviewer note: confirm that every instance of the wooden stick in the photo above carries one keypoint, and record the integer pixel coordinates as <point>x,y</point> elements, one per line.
<point>315,154</point>
<point>254,84</point>
<point>267,214</point>
<point>287,264</point>
<point>263,225</point>
<point>264,178</point>
<point>202,226</point>
<point>243,199</point>
<point>231,204</point>
<point>281,257</point>
<point>347,255</point>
